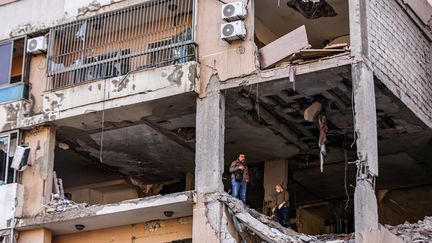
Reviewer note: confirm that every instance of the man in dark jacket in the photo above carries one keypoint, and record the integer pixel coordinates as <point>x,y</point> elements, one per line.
<point>239,177</point>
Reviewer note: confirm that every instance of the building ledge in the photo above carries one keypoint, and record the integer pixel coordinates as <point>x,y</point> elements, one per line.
<point>282,72</point>
<point>112,215</point>
<point>94,96</point>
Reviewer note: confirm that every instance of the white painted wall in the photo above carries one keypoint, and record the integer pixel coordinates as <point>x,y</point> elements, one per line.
<point>11,200</point>
<point>34,13</point>
<point>27,16</point>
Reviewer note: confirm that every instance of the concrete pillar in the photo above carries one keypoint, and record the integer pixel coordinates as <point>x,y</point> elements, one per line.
<point>37,179</point>
<point>275,172</point>
<point>41,235</point>
<point>208,218</point>
<point>365,203</point>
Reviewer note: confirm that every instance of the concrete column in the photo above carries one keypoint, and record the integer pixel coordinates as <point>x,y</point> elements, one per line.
<point>41,235</point>
<point>208,218</point>
<point>365,203</point>
<point>37,179</point>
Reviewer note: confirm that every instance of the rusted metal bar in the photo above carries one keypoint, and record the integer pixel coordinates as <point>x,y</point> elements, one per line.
<point>153,33</point>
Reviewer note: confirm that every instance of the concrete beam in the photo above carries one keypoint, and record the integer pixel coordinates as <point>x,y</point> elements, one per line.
<point>98,95</point>
<point>272,121</point>
<point>283,72</point>
<point>111,215</point>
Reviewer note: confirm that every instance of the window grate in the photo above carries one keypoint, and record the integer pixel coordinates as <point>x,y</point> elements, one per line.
<point>152,34</point>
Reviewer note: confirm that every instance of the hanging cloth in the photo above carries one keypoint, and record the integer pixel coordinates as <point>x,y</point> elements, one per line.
<point>322,121</point>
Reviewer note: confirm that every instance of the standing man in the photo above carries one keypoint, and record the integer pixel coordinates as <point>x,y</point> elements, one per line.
<point>239,177</point>
<point>281,207</point>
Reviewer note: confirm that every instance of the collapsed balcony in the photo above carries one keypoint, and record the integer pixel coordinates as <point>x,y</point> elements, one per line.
<point>151,34</point>
<point>296,31</point>
<point>127,154</point>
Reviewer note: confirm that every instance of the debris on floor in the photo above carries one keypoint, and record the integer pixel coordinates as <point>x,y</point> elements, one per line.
<point>420,232</point>
<point>333,238</point>
<point>258,224</point>
<point>58,204</point>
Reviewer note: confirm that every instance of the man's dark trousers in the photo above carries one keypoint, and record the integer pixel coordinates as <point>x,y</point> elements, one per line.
<point>282,216</point>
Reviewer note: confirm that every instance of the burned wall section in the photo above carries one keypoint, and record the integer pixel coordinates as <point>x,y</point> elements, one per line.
<point>401,56</point>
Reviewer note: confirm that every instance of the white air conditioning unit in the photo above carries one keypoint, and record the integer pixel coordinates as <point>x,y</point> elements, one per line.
<point>21,157</point>
<point>233,30</point>
<point>37,45</point>
<point>233,11</point>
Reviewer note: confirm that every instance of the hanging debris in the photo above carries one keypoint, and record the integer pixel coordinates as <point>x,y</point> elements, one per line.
<point>322,120</point>
<point>311,113</point>
<point>312,9</point>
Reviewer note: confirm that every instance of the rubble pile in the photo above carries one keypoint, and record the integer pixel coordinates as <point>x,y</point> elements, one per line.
<point>418,232</point>
<point>58,204</point>
<point>336,238</point>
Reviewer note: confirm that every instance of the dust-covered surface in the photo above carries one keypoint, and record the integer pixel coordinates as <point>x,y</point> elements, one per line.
<point>59,204</point>
<point>420,232</point>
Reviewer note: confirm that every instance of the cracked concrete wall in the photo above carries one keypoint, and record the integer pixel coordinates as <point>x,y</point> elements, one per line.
<point>152,231</point>
<point>11,200</point>
<point>12,113</point>
<point>37,178</point>
<point>37,83</point>
<point>216,55</point>
<point>139,87</point>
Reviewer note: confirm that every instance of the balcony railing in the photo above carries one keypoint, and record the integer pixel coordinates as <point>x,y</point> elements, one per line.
<point>151,34</point>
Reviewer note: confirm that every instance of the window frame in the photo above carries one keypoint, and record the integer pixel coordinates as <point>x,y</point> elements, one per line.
<point>18,140</point>
<point>24,65</point>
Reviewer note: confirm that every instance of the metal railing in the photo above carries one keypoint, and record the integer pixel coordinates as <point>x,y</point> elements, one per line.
<point>151,34</point>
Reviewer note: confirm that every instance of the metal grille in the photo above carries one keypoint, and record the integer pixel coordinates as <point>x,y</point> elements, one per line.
<point>152,34</point>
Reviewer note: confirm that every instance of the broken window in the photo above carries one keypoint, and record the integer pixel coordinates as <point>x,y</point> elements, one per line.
<point>297,31</point>
<point>8,144</point>
<point>151,34</point>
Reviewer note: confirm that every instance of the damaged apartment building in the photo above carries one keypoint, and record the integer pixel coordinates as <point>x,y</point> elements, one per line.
<point>119,120</point>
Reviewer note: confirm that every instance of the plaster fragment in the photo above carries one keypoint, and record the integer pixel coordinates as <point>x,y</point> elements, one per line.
<point>176,75</point>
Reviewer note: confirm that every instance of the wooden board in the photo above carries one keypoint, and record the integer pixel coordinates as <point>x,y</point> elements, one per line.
<point>317,53</point>
<point>283,47</point>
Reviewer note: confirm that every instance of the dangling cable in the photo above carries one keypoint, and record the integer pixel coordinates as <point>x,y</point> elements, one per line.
<point>102,125</point>
<point>345,176</point>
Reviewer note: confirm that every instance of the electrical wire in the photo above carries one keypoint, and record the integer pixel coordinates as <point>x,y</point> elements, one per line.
<point>353,116</point>
<point>257,104</point>
<point>102,125</point>
<point>345,176</point>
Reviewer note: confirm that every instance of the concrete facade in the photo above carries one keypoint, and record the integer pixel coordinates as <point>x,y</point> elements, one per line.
<point>119,155</point>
